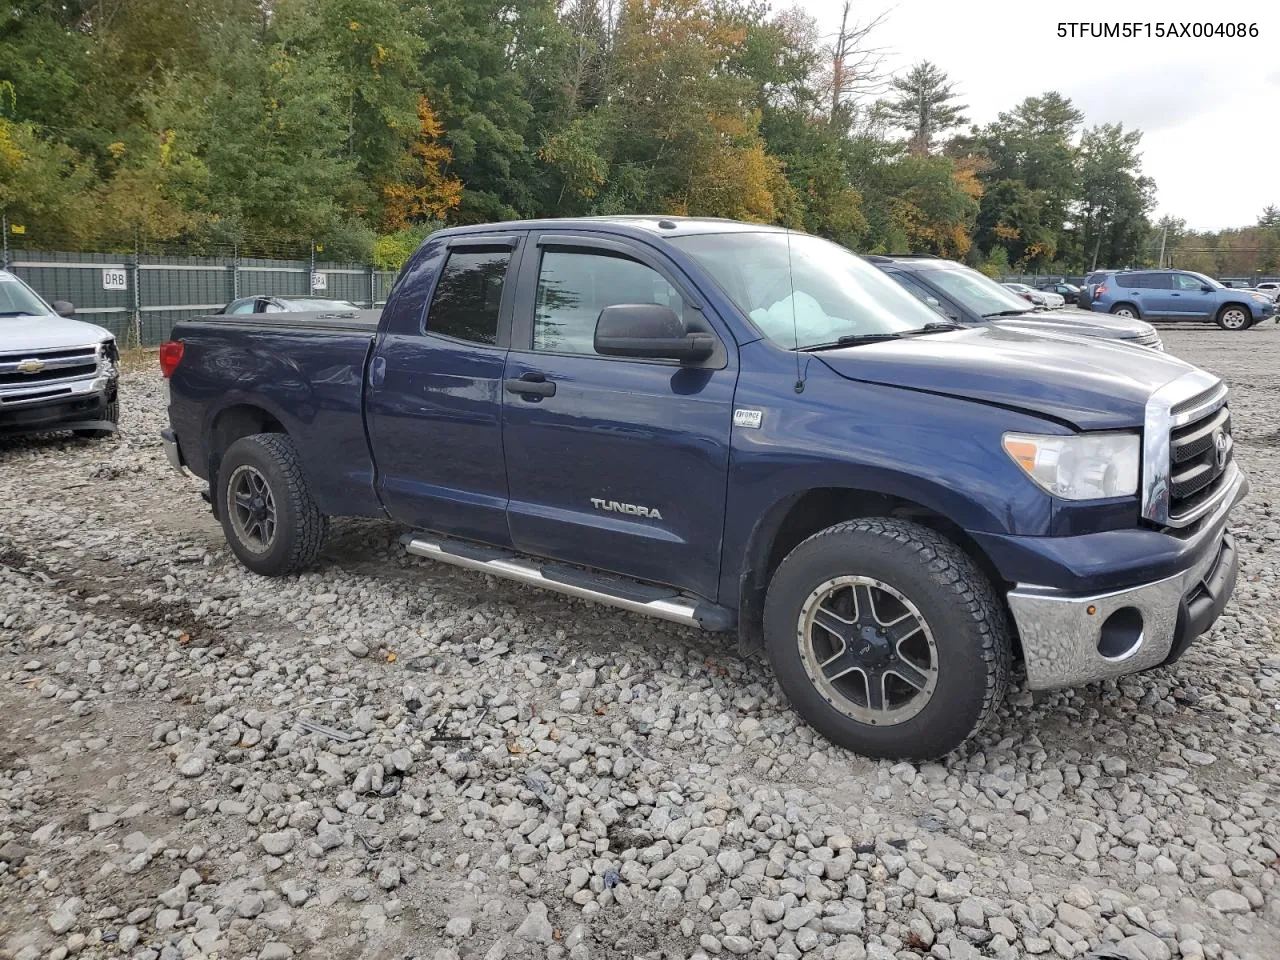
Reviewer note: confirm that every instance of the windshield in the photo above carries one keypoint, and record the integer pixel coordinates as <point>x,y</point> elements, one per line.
<point>815,293</point>
<point>975,292</point>
<point>19,300</point>
<point>1209,280</point>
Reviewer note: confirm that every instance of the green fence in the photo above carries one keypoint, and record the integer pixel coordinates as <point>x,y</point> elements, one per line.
<point>140,298</point>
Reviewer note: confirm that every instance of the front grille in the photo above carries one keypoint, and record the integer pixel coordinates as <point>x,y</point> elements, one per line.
<point>1199,454</point>
<point>18,379</point>
<point>57,366</point>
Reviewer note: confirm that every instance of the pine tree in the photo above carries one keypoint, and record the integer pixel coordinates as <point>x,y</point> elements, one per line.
<point>923,105</point>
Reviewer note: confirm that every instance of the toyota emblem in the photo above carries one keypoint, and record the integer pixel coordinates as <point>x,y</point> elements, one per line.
<point>1220,449</point>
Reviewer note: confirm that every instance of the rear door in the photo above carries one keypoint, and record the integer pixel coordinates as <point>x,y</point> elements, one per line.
<point>614,463</point>
<point>1159,299</point>
<point>435,393</point>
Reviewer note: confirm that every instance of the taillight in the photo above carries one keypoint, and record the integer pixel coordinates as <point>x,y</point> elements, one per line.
<point>1100,289</point>
<point>170,357</point>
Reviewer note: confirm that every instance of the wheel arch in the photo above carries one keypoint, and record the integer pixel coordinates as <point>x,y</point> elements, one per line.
<point>796,517</point>
<point>230,423</point>
<point>1248,312</point>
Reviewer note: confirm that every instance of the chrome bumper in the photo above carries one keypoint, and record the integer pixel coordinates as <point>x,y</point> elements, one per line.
<point>169,440</point>
<point>1069,640</point>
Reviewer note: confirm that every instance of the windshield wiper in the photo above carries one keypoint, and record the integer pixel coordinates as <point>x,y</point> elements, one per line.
<point>1006,313</point>
<point>937,326</point>
<point>850,339</point>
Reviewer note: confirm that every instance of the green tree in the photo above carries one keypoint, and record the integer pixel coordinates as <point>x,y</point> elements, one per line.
<point>1115,197</point>
<point>924,105</point>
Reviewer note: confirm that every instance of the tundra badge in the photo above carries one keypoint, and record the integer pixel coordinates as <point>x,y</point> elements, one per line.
<point>613,506</point>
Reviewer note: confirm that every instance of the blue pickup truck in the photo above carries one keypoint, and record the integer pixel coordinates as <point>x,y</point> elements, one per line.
<point>736,427</point>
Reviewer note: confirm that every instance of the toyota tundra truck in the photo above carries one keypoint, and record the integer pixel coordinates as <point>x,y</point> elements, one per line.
<point>56,372</point>
<point>738,428</point>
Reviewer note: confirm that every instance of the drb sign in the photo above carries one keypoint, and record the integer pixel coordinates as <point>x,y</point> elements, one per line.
<point>319,282</point>
<point>115,278</point>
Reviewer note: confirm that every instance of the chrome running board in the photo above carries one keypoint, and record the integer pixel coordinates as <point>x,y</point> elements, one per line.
<point>664,603</point>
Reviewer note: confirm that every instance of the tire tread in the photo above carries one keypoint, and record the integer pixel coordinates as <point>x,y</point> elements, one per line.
<point>312,526</point>
<point>954,569</point>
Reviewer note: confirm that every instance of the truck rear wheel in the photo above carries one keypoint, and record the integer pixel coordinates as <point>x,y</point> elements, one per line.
<point>887,638</point>
<point>268,515</point>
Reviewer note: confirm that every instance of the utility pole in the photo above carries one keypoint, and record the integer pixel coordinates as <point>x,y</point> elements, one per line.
<point>1163,237</point>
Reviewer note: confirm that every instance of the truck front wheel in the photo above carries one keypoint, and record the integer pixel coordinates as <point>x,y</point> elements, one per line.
<point>268,515</point>
<point>887,638</point>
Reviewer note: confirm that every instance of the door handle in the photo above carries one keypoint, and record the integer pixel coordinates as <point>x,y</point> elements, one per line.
<point>531,385</point>
<point>377,371</point>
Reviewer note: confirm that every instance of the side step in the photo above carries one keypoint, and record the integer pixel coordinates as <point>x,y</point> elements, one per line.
<point>661,602</point>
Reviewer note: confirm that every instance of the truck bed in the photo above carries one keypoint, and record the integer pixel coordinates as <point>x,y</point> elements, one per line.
<point>306,369</point>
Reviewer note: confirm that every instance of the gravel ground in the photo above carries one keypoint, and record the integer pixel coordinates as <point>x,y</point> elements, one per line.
<point>389,758</point>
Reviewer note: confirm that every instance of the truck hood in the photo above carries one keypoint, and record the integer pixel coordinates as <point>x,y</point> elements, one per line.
<point>48,332</point>
<point>1080,323</point>
<point>1091,385</point>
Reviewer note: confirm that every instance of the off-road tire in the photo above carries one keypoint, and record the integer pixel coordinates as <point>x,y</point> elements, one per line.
<point>958,603</point>
<point>112,414</point>
<point>1225,317</point>
<point>300,527</point>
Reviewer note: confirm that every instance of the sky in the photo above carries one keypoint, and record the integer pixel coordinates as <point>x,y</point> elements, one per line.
<point>1209,109</point>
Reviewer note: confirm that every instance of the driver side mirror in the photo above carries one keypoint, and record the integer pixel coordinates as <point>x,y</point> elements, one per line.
<point>64,308</point>
<point>1205,288</point>
<point>649,331</point>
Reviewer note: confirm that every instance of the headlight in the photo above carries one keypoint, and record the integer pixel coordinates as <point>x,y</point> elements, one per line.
<point>1087,466</point>
<point>1261,298</point>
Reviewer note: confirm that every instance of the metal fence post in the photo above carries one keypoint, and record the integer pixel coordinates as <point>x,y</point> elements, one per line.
<point>373,286</point>
<point>4,231</point>
<point>135,275</point>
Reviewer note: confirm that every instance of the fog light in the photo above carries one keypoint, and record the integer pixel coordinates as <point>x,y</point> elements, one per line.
<point>1121,634</point>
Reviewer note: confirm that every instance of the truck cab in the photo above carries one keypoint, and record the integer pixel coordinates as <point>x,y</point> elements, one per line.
<point>738,427</point>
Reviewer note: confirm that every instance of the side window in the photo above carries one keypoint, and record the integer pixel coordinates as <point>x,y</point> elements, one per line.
<point>919,292</point>
<point>244,306</point>
<point>1134,281</point>
<point>1184,282</point>
<point>270,306</point>
<point>468,294</point>
<point>574,286</point>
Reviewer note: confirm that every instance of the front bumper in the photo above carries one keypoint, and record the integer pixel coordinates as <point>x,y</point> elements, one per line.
<point>1071,637</point>
<point>81,410</point>
<point>1072,640</point>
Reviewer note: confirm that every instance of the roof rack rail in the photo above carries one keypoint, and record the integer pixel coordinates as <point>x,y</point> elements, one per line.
<point>918,256</point>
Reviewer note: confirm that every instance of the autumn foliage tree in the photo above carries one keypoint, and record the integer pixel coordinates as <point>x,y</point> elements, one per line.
<point>424,189</point>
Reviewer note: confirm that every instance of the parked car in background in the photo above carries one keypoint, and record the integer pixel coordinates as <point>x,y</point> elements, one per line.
<point>1085,298</point>
<point>736,427</point>
<point>1067,291</point>
<point>1049,301</point>
<point>966,296</point>
<point>266,304</point>
<point>1269,287</point>
<point>56,373</point>
<point>1179,295</point>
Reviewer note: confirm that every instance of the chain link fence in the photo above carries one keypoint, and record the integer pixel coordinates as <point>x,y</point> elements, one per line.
<point>139,298</point>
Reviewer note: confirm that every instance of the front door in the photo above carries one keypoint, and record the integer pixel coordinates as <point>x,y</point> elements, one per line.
<point>435,390</point>
<point>1192,300</point>
<point>613,463</point>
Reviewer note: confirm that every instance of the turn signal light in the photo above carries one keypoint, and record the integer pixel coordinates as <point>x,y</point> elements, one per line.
<point>170,357</point>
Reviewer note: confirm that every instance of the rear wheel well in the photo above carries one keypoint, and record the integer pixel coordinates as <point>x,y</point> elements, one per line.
<point>241,420</point>
<point>794,521</point>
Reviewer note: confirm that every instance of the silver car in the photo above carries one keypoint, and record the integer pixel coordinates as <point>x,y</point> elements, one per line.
<point>56,373</point>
